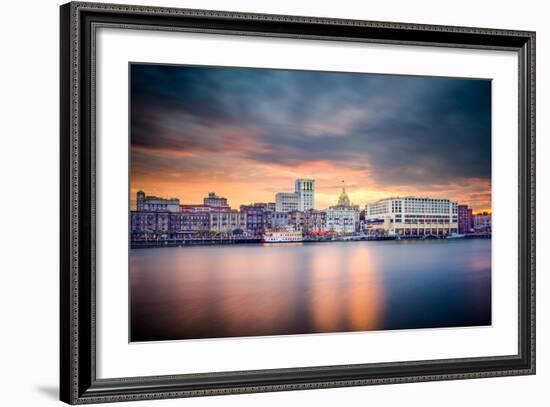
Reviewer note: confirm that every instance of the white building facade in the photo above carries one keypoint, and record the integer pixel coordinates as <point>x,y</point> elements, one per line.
<point>305,188</point>
<point>302,199</point>
<point>227,221</point>
<point>412,216</point>
<point>287,201</point>
<point>344,217</point>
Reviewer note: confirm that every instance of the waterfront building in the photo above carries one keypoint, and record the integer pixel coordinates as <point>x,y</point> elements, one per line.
<point>215,201</point>
<point>362,222</point>
<point>305,189</point>
<point>167,225</point>
<point>227,221</point>
<point>315,221</point>
<point>278,220</point>
<point>257,216</point>
<point>185,224</point>
<point>254,219</point>
<point>202,208</point>
<point>310,221</point>
<point>297,220</point>
<point>412,216</point>
<point>287,201</point>
<point>149,225</point>
<point>156,204</point>
<point>483,222</point>
<point>465,219</point>
<point>302,199</point>
<point>343,217</point>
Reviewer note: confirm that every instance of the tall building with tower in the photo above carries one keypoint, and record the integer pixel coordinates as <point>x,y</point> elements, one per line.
<point>343,217</point>
<point>302,199</point>
<point>305,189</point>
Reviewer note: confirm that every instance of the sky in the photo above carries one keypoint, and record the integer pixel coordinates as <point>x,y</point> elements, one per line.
<point>248,133</point>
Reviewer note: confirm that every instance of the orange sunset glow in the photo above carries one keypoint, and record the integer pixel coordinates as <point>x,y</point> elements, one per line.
<point>247,134</point>
<point>277,178</point>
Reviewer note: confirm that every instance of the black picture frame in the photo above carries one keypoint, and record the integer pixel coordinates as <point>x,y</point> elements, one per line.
<point>78,382</point>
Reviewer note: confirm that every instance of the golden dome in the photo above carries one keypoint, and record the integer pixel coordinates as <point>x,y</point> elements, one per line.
<point>344,199</point>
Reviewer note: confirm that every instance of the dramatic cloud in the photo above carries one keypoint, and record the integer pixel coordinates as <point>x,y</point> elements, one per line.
<point>247,133</point>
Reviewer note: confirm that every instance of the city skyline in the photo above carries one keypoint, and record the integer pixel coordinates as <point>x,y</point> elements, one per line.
<point>236,207</point>
<point>246,134</point>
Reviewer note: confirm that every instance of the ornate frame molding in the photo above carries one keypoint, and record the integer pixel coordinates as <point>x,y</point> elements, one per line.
<point>79,21</point>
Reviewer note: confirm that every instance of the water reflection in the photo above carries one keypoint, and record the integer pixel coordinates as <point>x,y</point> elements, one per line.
<point>254,290</point>
<point>346,293</point>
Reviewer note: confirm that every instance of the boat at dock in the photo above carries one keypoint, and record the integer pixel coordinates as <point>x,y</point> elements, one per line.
<point>283,236</point>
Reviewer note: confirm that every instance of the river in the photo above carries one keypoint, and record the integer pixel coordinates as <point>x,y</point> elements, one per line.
<point>297,288</point>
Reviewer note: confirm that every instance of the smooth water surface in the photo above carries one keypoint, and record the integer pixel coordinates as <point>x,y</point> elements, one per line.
<point>252,290</point>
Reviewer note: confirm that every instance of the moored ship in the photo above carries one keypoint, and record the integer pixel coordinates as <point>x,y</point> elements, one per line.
<point>282,236</point>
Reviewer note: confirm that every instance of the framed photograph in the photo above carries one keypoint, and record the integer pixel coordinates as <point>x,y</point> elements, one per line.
<point>255,203</point>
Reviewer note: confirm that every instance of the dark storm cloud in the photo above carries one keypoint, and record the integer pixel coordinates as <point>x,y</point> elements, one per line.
<point>401,130</point>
